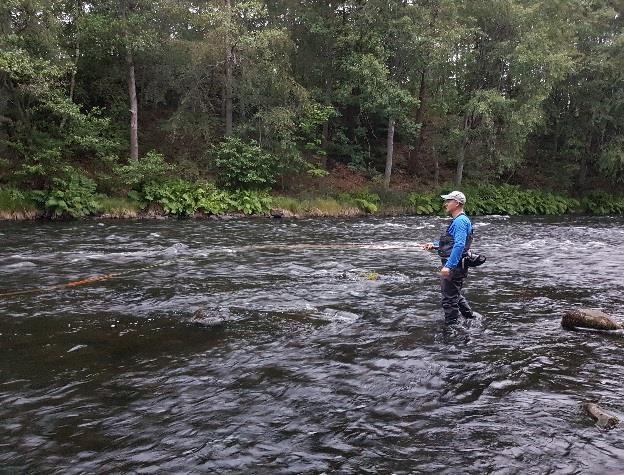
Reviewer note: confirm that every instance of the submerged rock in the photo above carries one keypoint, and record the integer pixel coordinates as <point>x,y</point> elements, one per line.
<point>211,317</point>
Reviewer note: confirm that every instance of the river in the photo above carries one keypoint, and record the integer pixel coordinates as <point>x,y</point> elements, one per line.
<point>334,358</point>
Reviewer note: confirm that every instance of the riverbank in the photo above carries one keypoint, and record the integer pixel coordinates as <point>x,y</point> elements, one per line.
<point>204,201</point>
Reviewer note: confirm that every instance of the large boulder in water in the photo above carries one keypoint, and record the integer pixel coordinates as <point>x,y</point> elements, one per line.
<point>589,318</point>
<point>211,317</point>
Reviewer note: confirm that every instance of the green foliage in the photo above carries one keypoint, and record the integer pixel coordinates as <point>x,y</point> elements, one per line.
<point>177,197</point>
<point>602,204</point>
<point>317,172</point>
<point>149,169</point>
<point>502,84</point>
<point>244,166</point>
<point>74,196</point>
<point>250,202</point>
<point>183,198</point>
<point>512,200</point>
<point>318,206</point>
<point>424,204</point>
<point>45,129</point>
<point>364,200</point>
<point>13,200</point>
<point>611,160</point>
<point>310,126</point>
<point>119,207</point>
<point>505,199</point>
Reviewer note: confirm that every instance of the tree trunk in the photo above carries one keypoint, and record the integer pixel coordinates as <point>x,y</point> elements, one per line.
<point>419,119</point>
<point>436,168</point>
<point>325,132</point>
<point>459,174</point>
<point>5,20</point>
<point>72,84</point>
<point>131,80</point>
<point>229,77</point>
<point>389,153</point>
<point>134,110</point>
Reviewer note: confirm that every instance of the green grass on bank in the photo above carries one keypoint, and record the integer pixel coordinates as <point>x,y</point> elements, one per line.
<point>115,207</point>
<point>182,198</point>
<point>321,206</point>
<point>15,204</point>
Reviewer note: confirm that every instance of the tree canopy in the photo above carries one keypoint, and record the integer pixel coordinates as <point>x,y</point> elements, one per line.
<point>502,91</point>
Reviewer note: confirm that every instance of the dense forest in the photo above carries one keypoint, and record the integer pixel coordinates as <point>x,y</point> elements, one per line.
<point>154,99</point>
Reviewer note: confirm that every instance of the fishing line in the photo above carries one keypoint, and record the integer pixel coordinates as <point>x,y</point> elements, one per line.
<point>113,275</point>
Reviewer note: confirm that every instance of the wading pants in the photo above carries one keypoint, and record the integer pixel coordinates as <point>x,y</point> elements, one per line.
<point>453,302</point>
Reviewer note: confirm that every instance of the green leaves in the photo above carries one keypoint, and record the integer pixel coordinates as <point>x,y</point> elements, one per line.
<point>151,168</point>
<point>512,200</point>
<point>424,204</point>
<point>244,166</point>
<point>73,196</point>
<point>183,198</point>
<point>364,200</point>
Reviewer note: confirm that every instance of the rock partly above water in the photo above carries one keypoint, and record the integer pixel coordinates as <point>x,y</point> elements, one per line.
<point>604,419</point>
<point>589,318</point>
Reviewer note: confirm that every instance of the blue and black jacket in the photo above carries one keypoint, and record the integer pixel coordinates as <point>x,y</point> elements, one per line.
<point>454,245</point>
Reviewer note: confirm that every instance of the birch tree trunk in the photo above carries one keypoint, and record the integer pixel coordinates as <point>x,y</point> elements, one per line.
<point>131,82</point>
<point>420,112</point>
<point>134,110</point>
<point>461,159</point>
<point>389,153</point>
<point>229,78</point>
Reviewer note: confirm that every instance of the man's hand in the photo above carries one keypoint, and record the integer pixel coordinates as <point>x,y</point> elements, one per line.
<point>428,246</point>
<point>445,272</point>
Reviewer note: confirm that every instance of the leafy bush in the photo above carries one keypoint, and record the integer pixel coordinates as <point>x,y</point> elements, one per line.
<point>212,200</point>
<point>424,204</point>
<point>177,197</point>
<point>149,169</point>
<point>602,204</point>
<point>244,166</point>
<point>250,202</point>
<point>508,199</point>
<point>72,196</point>
<point>184,198</point>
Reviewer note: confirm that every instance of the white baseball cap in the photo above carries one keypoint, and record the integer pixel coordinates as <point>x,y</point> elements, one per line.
<point>455,195</point>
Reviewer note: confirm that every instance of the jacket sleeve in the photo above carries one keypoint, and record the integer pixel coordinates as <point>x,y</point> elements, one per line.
<point>460,235</point>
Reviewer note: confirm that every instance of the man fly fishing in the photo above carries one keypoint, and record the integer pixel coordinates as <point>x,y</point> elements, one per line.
<point>454,249</point>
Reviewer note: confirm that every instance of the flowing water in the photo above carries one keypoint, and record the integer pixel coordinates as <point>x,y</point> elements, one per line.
<point>334,357</point>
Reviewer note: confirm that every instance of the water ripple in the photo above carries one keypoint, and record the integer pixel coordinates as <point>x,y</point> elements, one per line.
<point>333,356</point>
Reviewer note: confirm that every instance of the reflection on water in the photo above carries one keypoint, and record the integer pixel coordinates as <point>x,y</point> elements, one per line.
<point>319,367</point>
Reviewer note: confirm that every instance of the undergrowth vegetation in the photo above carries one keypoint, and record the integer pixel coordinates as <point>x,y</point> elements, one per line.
<point>76,196</point>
